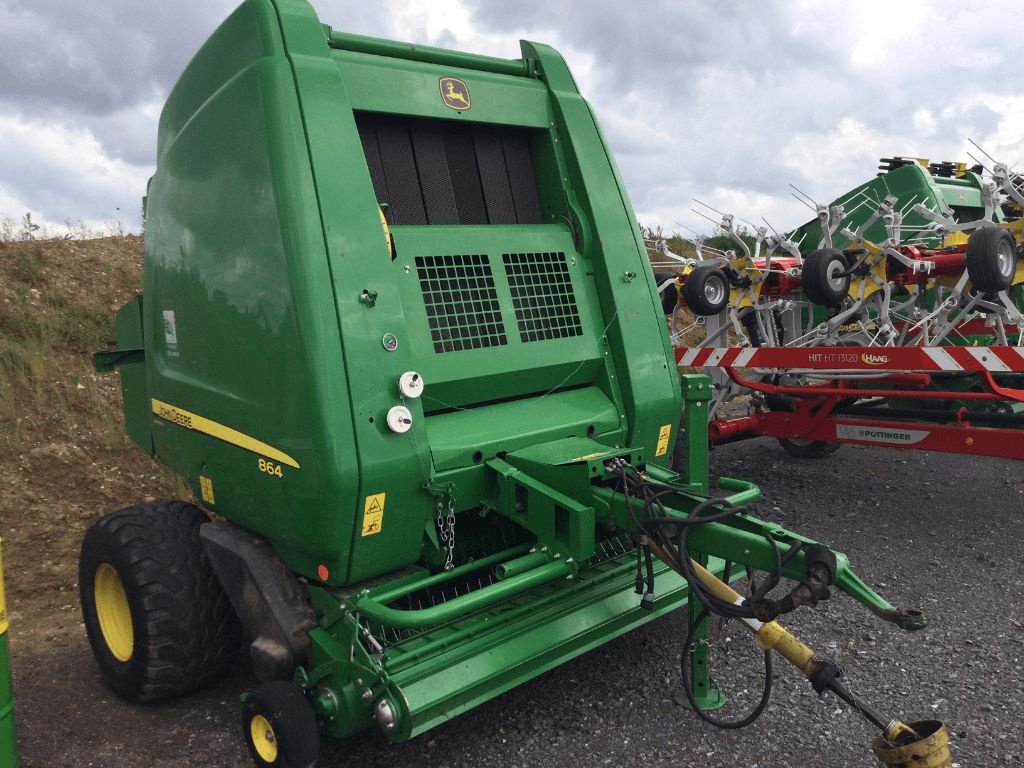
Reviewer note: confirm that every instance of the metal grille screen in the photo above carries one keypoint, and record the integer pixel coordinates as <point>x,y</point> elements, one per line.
<point>442,172</point>
<point>542,296</point>
<point>461,303</point>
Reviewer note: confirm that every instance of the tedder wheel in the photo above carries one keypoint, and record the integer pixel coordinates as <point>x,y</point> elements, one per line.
<point>991,259</point>
<point>808,449</point>
<point>279,726</point>
<point>706,290</point>
<point>158,621</point>
<point>824,279</point>
<point>669,296</point>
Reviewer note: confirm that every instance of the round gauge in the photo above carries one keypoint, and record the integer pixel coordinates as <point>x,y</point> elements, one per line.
<point>390,342</point>
<point>410,384</point>
<point>399,419</point>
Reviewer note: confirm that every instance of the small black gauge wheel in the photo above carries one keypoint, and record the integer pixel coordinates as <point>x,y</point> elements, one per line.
<point>824,277</point>
<point>669,294</point>
<point>706,290</point>
<point>991,259</point>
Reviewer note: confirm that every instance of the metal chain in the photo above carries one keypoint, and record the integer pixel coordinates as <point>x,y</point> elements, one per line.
<point>446,529</point>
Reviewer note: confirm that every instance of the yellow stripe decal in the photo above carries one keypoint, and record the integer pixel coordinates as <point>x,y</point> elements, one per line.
<point>199,424</point>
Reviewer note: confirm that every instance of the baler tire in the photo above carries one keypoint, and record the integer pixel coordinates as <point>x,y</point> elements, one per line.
<point>157,618</point>
<point>670,295</point>
<point>823,278</point>
<point>991,259</point>
<point>808,449</point>
<point>706,290</point>
<point>279,727</point>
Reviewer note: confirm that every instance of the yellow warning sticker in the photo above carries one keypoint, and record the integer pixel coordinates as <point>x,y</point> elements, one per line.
<point>663,435</point>
<point>373,514</point>
<point>3,598</point>
<point>206,488</point>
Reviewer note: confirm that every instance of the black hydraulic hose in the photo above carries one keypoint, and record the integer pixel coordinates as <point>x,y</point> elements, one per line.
<point>687,674</point>
<point>660,527</point>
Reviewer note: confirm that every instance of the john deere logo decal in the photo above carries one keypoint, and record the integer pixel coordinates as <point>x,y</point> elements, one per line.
<point>455,93</point>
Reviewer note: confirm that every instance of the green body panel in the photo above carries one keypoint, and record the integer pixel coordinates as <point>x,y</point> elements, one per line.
<point>263,242</point>
<point>137,413</point>
<point>909,184</point>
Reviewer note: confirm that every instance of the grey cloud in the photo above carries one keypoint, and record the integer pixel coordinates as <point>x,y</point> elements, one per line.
<point>97,57</point>
<point>693,95</point>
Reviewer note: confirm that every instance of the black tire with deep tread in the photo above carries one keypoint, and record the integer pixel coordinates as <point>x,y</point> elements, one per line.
<point>185,631</point>
<point>293,721</point>
<point>982,259</point>
<point>694,290</point>
<point>815,277</point>
<point>670,295</point>
<point>808,449</point>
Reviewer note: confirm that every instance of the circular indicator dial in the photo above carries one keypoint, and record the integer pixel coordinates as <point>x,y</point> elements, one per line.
<point>410,384</point>
<point>399,419</point>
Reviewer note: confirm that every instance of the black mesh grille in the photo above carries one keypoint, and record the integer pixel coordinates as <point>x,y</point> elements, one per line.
<point>461,303</point>
<point>542,296</point>
<point>445,172</point>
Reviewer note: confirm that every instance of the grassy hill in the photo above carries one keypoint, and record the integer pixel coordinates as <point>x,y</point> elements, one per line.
<point>65,457</point>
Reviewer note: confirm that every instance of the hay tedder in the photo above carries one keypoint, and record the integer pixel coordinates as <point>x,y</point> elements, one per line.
<point>892,319</point>
<point>399,334</point>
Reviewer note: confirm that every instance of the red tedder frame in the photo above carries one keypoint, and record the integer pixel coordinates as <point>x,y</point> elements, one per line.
<point>907,373</point>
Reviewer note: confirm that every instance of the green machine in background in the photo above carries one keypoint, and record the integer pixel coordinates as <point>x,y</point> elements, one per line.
<point>399,332</point>
<point>941,187</point>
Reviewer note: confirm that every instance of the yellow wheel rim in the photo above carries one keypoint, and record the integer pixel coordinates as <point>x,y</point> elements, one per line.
<point>263,739</point>
<point>113,612</point>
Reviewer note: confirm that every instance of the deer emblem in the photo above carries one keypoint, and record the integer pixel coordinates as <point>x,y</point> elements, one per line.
<point>455,93</point>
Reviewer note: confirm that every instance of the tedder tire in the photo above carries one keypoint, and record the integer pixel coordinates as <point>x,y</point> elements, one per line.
<point>706,290</point>
<point>669,295</point>
<point>991,259</point>
<point>824,279</point>
<point>808,449</point>
<point>279,726</point>
<point>158,621</point>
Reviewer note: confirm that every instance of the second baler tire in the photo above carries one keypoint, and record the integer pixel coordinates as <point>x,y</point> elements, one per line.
<point>991,259</point>
<point>699,298</point>
<point>819,277</point>
<point>179,629</point>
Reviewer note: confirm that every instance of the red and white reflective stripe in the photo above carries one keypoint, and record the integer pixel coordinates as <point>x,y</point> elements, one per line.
<point>717,357</point>
<point>994,359</point>
<point>929,359</point>
<point>942,359</point>
<point>745,356</point>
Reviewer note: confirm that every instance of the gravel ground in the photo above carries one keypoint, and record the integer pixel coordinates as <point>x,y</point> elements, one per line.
<point>937,532</point>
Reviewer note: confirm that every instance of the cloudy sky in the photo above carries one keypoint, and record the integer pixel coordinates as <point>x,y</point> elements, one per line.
<point>726,102</point>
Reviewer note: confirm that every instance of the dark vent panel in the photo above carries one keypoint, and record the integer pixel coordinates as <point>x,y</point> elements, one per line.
<point>446,172</point>
<point>542,296</point>
<point>461,303</point>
